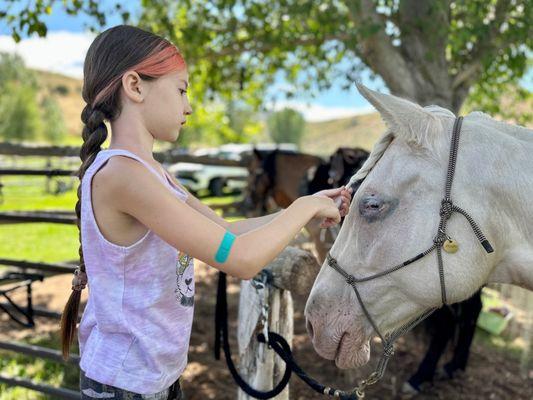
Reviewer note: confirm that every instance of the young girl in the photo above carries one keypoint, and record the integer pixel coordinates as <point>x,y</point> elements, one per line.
<point>140,229</point>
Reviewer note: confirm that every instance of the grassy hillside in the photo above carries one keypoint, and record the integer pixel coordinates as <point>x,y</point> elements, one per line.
<point>324,138</point>
<point>67,92</point>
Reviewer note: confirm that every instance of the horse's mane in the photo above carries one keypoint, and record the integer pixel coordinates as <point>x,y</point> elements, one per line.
<point>377,152</point>
<point>518,131</point>
<point>269,166</point>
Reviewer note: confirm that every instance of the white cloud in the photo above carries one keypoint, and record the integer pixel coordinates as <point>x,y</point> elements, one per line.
<point>316,112</point>
<point>60,51</point>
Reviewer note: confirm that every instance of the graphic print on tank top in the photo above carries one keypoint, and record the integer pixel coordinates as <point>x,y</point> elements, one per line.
<point>185,280</point>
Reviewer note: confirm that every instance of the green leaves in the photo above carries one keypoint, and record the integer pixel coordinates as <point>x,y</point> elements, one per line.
<point>22,115</point>
<point>286,126</point>
<point>234,48</point>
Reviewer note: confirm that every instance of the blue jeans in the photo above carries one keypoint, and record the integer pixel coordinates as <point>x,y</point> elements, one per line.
<point>91,389</point>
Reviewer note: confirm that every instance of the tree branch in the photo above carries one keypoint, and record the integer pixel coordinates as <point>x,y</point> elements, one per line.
<point>240,47</point>
<point>376,49</point>
<point>424,28</point>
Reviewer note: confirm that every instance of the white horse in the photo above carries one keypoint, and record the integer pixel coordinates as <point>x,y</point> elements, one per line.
<point>395,214</point>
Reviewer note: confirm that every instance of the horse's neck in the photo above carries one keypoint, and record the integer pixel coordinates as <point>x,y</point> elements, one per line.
<point>515,268</point>
<point>503,177</point>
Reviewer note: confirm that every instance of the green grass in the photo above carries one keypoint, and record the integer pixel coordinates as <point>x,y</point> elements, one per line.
<point>36,241</point>
<point>29,193</point>
<point>39,242</point>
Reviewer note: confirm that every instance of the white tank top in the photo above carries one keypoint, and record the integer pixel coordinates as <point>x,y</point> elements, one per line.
<point>135,329</point>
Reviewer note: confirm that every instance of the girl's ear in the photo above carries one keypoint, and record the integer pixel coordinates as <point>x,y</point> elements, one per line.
<point>133,86</point>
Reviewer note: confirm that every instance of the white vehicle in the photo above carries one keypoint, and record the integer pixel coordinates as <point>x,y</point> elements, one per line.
<point>216,178</point>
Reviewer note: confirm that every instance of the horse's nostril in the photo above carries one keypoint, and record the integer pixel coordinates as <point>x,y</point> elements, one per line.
<point>309,327</point>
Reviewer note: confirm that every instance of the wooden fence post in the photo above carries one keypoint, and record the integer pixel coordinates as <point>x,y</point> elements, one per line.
<point>294,270</point>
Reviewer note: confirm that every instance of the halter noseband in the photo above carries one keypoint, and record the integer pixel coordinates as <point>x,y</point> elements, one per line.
<point>441,239</point>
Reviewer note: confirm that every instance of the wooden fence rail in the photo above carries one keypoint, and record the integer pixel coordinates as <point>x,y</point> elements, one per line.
<point>169,156</point>
<point>16,217</point>
<point>37,172</point>
<point>52,269</point>
<point>41,352</point>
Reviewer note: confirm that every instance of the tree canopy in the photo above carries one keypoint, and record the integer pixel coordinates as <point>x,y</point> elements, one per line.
<point>433,51</point>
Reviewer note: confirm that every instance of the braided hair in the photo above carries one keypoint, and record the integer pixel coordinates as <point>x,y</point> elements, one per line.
<point>111,54</point>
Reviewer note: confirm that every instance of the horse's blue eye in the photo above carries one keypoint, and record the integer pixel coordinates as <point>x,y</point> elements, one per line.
<point>374,207</point>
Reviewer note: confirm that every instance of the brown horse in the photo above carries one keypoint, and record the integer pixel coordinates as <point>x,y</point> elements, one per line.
<point>275,179</point>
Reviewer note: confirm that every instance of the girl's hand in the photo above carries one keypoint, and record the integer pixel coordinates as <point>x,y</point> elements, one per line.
<point>341,196</point>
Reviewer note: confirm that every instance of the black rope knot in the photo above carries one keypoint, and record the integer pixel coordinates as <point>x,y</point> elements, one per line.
<point>440,239</point>
<point>350,280</point>
<point>388,350</point>
<point>446,208</point>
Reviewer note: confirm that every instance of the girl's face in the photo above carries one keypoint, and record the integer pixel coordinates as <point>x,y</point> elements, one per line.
<point>166,105</point>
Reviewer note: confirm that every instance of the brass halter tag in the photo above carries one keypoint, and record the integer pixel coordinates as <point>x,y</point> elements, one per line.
<point>450,246</point>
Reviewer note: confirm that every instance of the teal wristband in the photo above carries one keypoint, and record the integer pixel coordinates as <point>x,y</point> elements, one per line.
<point>225,247</point>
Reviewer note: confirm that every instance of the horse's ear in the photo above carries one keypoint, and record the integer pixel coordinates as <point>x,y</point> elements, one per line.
<point>404,118</point>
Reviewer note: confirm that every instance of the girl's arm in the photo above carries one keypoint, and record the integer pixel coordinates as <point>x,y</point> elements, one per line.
<point>137,192</point>
<point>236,227</point>
<point>245,225</point>
<point>248,224</point>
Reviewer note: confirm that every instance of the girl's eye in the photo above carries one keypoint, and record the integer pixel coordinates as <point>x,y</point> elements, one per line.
<point>183,91</point>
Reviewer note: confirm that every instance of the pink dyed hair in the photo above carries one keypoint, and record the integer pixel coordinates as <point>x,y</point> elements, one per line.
<point>165,58</point>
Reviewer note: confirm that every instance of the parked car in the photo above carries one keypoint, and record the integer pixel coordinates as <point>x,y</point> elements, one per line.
<point>217,178</point>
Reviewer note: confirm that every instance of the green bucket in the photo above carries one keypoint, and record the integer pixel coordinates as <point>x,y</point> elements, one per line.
<point>493,321</point>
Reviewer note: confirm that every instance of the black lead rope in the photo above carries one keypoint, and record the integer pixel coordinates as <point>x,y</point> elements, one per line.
<point>276,343</point>
<point>221,337</point>
<point>281,347</point>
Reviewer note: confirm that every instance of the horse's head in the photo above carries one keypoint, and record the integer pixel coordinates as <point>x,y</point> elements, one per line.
<point>394,216</point>
<point>258,184</point>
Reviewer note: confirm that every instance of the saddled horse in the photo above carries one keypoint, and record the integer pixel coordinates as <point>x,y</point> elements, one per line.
<point>274,179</point>
<point>412,240</point>
<point>277,178</point>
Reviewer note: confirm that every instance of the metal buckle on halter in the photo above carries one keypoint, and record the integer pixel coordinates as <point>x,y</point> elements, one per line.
<point>259,282</point>
<point>372,379</point>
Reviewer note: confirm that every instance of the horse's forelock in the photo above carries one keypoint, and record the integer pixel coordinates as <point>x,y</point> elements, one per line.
<point>377,152</point>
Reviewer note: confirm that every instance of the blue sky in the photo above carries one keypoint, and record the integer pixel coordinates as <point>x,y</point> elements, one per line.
<point>64,48</point>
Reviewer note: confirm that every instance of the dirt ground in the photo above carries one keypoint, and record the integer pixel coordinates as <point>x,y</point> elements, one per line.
<point>491,374</point>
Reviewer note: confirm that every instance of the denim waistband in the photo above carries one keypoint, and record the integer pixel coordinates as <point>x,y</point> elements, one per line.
<point>91,389</point>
